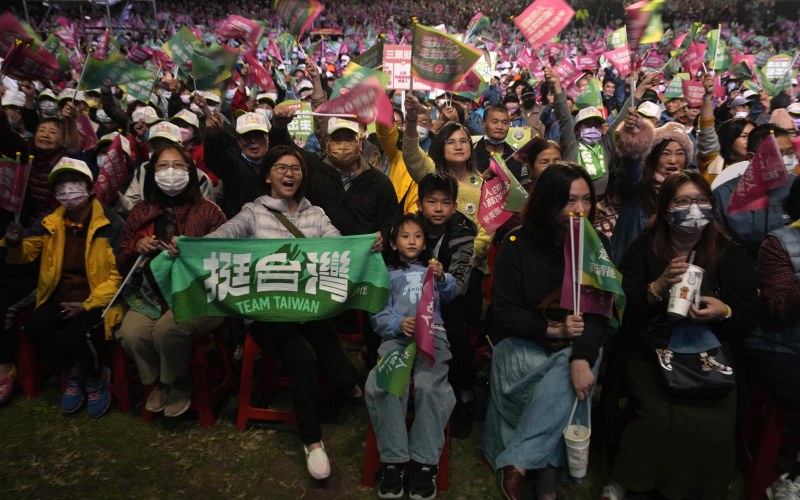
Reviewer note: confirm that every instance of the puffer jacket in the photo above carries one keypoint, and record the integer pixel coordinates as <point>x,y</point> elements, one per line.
<point>196,219</point>
<point>47,238</point>
<point>135,192</point>
<point>256,221</point>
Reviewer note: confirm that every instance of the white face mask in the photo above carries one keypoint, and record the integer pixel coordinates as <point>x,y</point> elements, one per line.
<point>266,112</point>
<point>186,99</point>
<point>72,195</point>
<point>102,117</point>
<point>741,114</point>
<point>229,94</point>
<point>789,161</point>
<point>166,94</point>
<point>172,181</point>
<point>423,132</point>
<point>48,108</point>
<point>101,160</point>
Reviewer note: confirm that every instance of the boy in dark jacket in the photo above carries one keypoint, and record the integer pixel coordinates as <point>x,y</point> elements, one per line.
<point>450,240</point>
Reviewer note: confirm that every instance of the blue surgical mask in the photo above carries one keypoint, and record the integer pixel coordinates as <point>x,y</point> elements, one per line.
<point>591,135</point>
<point>397,100</point>
<point>423,132</point>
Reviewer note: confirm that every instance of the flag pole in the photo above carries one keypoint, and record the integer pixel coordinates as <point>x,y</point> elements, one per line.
<point>581,227</point>
<point>572,257</point>
<point>21,170</point>
<point>125,282</point>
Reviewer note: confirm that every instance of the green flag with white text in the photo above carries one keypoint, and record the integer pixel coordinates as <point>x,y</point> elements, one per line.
<point>116,68</point>
<point>393,371</point>
<point>440,60</point>
<point>272,280</point>
<point>590,95</point>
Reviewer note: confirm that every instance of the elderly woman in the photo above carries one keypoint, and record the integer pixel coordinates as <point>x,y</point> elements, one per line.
<point>543,357</point>
<point>172,206</point>
<point>283,212</point>
<point>684,446</point>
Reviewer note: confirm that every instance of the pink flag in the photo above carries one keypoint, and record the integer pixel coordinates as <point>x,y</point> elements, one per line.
<point>765,173</point>
<point>13,181</point>
<point>113,174</point>
<point>719,89</point>
<point>424,321</point>
<point>490,210</point>
<point>567,72</point>
<point>692,58</point>
<point>653,61</point>
<point>739,57</point>
<point>86,131</point>
<point>24,63</point>
<point>258,73</point>
<point>240,27</point>
<point>274,51</point>
<point>543,19</point>
<point>693,92</point>
<point>635,22</point>
<point>367,101</point>
<point>139,55</point>
<point>621,60</point>
<point>162,59</point>
<point>102,47</point>
<point>66,31</point>
<point>679,41</point>
<point>585,62</point>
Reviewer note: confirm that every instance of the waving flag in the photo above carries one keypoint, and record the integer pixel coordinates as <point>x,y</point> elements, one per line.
<point>258,73</point>
<point>621,60</point>
<point>439,60</point>
<point>365,98</point>
<point>393,371</point>
<point>478,24</point>
<point>22,62</point>
<point>590,96</point>
<point>240,27</point>
<point>297,15</point>
<point>113,173</point>
<point>688,38</point>
<point>66,31</point>
<point>765,173</point>
<point>54,46</point>
<point>717,55</point>
<point>102,47</point>
<point>542,20</point>
<point>692,58</point>
<point>116,68</point>
<point>424,320</point>
<point>13,181</point>
<point>501,196</point>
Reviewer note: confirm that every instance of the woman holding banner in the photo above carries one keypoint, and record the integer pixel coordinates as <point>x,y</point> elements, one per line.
<point>172,207</point>
<point>283,212</point>
<point>544,356</point>
<point>682,439</point>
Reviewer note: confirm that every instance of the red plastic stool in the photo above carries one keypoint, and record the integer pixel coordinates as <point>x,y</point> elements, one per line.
<point>372,460</point>
<point>29,374</point>
<point>210,384</point>
<point>122,377</point>
<point>762,436</point>
<point>270,383</point>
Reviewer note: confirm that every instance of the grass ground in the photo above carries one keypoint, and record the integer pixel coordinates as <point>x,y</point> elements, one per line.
<point>49,455</point>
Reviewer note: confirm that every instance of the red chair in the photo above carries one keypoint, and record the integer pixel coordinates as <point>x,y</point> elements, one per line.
<point>270,383</point>
<point>372,460</point>
<point>210,382</point>
<point>762,436</point>
<point>29,374</point>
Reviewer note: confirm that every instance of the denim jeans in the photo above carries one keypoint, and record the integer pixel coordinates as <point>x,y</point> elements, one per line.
<point>433,402</point>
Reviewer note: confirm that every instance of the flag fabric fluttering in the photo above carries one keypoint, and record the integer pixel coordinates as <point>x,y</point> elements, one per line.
<point>113,173</point>
<point>765,173</point>
<point>542,20</point>
<point>424,320</point>
<point>393,371</point>
<point>298,15</point>
<point>439,59</point>
<point>13,182</point>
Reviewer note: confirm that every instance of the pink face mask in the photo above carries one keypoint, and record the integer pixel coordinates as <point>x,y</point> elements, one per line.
<point>71,195</point>
<point>187,134</point>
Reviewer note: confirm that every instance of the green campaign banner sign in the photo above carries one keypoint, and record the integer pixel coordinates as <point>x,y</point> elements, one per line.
<point>440,60</point>
<point>372,58</point>
<point>394,369</point>
<point>272,280</point>
<point>116,68</point>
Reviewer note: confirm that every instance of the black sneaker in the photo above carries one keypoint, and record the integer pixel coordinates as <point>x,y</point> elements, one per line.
<point>390,481</point>
<point>461,419</point>
<point>424,485</point>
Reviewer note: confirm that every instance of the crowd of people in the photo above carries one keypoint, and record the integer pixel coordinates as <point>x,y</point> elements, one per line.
<point>656,173</point>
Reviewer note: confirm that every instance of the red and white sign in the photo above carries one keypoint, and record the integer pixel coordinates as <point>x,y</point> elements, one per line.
<point>542,20</point>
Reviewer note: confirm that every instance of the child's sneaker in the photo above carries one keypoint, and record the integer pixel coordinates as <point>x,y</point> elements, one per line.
<point>424,485</point>
<point>98,395</point>
<point>7,384</point>
<point>390,481</point>
<point>72,399</point>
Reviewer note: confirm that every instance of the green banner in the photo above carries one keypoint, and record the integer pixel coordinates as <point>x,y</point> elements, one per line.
<point>717,55</point>
<point>690,36</point>
<point>182,46</point>
<point>394,370</point>
<point>272,280</point>
<point>590,95</point>
<point>618,38</point>
<point>439,59</point>
<point>372,58</point>
<point>54,45</point>
<point>116,68</point>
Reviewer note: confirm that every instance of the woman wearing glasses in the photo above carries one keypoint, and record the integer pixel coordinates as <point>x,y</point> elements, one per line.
<point>283,212</point>
<point>682,446</point>
<point>172,206</point>
<point>649,155</point>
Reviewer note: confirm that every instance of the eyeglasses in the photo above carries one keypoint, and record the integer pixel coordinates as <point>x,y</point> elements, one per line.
<point>282,168</point>
<point>453,142</point>
<point>684,202</point>
<point>180,165</point>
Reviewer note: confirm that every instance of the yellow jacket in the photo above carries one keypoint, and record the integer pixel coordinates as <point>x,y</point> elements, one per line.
<point>404,185</point>
<point>46,238</point>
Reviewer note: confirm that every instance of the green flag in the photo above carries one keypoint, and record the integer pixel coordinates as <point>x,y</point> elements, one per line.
<point>353,76</point>
<point>516,193</point>
<point>717,56</point>
<point>301,279</point>
<point>654,32</point>
<point>55,46</point>
<point>674,89</point>
<point>141,89</point>
<point>618,38</point>
<point>590,95</point>
<point>116,68</point>
<point>394,370</point>
<point>690,36</point>
<point>286,43</point>
<point>182,46</point>
<point>440,60</point>
<point>371,58</point>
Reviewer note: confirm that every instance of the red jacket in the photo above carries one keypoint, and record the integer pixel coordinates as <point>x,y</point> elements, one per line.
<point>198,153</point>
<point>197,219</point>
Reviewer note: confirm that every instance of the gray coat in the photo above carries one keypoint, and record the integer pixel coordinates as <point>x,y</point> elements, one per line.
<point>256,221</point>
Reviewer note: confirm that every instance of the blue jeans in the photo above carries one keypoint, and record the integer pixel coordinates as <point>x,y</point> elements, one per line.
<point>433,402</point>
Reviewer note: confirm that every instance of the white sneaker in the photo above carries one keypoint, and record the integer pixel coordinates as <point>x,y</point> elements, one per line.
<point>317,462</point>
<point>665,358</point>
<point>711,364</point>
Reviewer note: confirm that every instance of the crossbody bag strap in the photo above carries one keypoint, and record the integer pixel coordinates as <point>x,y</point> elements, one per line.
<point>287,223</point>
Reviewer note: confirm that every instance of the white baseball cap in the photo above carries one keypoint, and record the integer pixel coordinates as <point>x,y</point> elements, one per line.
<point>70,93</point>
<point>250,122</point>
<point>13,98</point>
<point>794,108</point>
<point>749,93</point>
<point>124,142</point>
<point>587,113</point>
<point>210,96</point>
<point>147,113</point>
<point>188,117</point>
<point>47,94</point>
<point>650,110</point>
<point>67,164</point>
<point>335,124</point>
<point>165,130</point>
